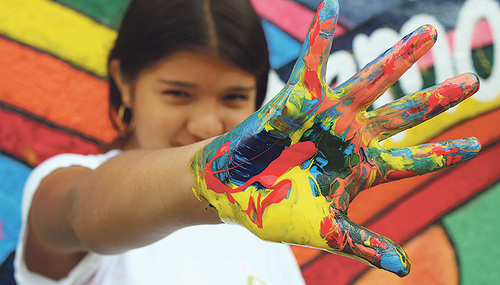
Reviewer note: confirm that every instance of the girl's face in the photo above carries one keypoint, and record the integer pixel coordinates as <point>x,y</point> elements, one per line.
<point>186,98</point>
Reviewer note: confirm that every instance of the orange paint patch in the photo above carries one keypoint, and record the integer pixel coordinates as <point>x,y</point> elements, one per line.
<point>304,254</point>
<point>433,262</point>
<point>54,90</point>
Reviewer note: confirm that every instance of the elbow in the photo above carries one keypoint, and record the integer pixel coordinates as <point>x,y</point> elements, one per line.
<point>91,236</point>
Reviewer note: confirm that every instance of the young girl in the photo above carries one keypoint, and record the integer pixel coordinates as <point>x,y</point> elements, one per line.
<point>180,72</point>
<point>182,91</point>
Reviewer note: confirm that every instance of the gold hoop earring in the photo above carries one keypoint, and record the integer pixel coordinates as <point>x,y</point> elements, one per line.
<point>123,128</point>
<point>121,112</point>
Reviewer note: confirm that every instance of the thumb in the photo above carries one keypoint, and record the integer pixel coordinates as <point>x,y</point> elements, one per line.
<point>345,237</point>
<point>316,47</point>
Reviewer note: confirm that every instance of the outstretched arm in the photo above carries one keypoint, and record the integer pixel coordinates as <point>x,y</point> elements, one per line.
<point>289,172</point>
<point>132,200</point>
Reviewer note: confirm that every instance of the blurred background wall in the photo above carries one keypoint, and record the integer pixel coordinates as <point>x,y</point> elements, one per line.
<point>53,99</point>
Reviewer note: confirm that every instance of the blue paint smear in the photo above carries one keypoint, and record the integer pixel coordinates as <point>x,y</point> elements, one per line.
<point>13,175</point>
<point>314,187</point>
<point>392,262</point>
<point>305,164</point>
<point>348,150</point>
<point>250,156</point>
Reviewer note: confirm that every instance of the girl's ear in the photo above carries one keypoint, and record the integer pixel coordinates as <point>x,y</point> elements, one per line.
<point>123,86</point>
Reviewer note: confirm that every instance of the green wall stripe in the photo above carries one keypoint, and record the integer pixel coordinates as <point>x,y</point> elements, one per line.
<point>474,230</point>
<point>107,12</point>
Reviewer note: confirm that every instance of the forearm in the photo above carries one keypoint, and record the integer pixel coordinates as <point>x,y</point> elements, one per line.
<point>137,198</point>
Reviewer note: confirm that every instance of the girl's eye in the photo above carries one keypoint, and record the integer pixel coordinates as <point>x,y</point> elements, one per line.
<point>236,100</point>
<point>235,97</point>
<point>177,93</point>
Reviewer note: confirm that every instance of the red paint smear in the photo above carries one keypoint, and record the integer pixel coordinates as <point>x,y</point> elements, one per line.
<point>440,151</point>
<point>315,27</point>
<point>411,111</point>
<point>416,45</point>
<point>338,240</point>
<point>312,59</point>
<point>331,232</point>
<point>347,122</point>
<point>317,46</point>
<point>446,95</point>
<point>454,159</point>
<point>400,174</point>
<point>375,241</point>
<point>290,157</point>
<point>34,142</point>
<point>403,221</point>
<point>414,42</point>
<point>389,65</point>
<point>313,85</point>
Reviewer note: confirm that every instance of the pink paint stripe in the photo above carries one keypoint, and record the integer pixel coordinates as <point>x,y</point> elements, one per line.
<point>295,19</point>
<point>291,17</point>
<point>481,36</point>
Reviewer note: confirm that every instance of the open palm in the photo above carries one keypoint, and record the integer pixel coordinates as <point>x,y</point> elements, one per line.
<point>289,172</point>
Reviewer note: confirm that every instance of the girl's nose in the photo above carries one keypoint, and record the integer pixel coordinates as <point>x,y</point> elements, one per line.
<point>205,122</point>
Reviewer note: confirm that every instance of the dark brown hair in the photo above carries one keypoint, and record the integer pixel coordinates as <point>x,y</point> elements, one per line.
<point>153,29</point>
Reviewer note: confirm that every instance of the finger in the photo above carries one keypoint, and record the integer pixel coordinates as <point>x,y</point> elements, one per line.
<point>376,77</point>
<point>413,109</point>
<point>311,62</point>
<point>347,238</point>
<point>398,163</point>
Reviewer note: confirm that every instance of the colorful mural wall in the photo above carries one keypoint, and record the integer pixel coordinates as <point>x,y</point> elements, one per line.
<point>53,99</point>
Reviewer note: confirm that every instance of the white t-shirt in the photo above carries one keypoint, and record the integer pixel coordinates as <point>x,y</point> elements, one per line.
<point>207,254</point>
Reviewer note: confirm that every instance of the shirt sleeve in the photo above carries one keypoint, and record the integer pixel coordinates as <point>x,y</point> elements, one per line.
<point>86,268</point>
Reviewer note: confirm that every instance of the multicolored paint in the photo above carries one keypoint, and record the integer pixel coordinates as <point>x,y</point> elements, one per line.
<point>45,120</point>
<point>289,172</point>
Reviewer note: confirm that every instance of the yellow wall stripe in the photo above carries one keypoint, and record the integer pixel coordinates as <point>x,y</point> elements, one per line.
<point>58,30</point>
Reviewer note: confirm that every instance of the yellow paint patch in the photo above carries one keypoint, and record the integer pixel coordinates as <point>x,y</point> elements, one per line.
<point>58,30</point>
<point>371,178</point>
<point>368,241</point>
<point>397,162</point>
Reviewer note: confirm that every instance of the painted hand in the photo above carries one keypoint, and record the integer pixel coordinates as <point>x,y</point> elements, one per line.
<point>289,172</point>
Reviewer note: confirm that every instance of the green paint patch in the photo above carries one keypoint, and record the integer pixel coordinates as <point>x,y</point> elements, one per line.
<point>474,230</point>
<point>108,13</point>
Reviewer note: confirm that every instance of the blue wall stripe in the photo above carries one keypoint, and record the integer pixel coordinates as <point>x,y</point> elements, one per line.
<point>13,175</point>
<point>282,47</point>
